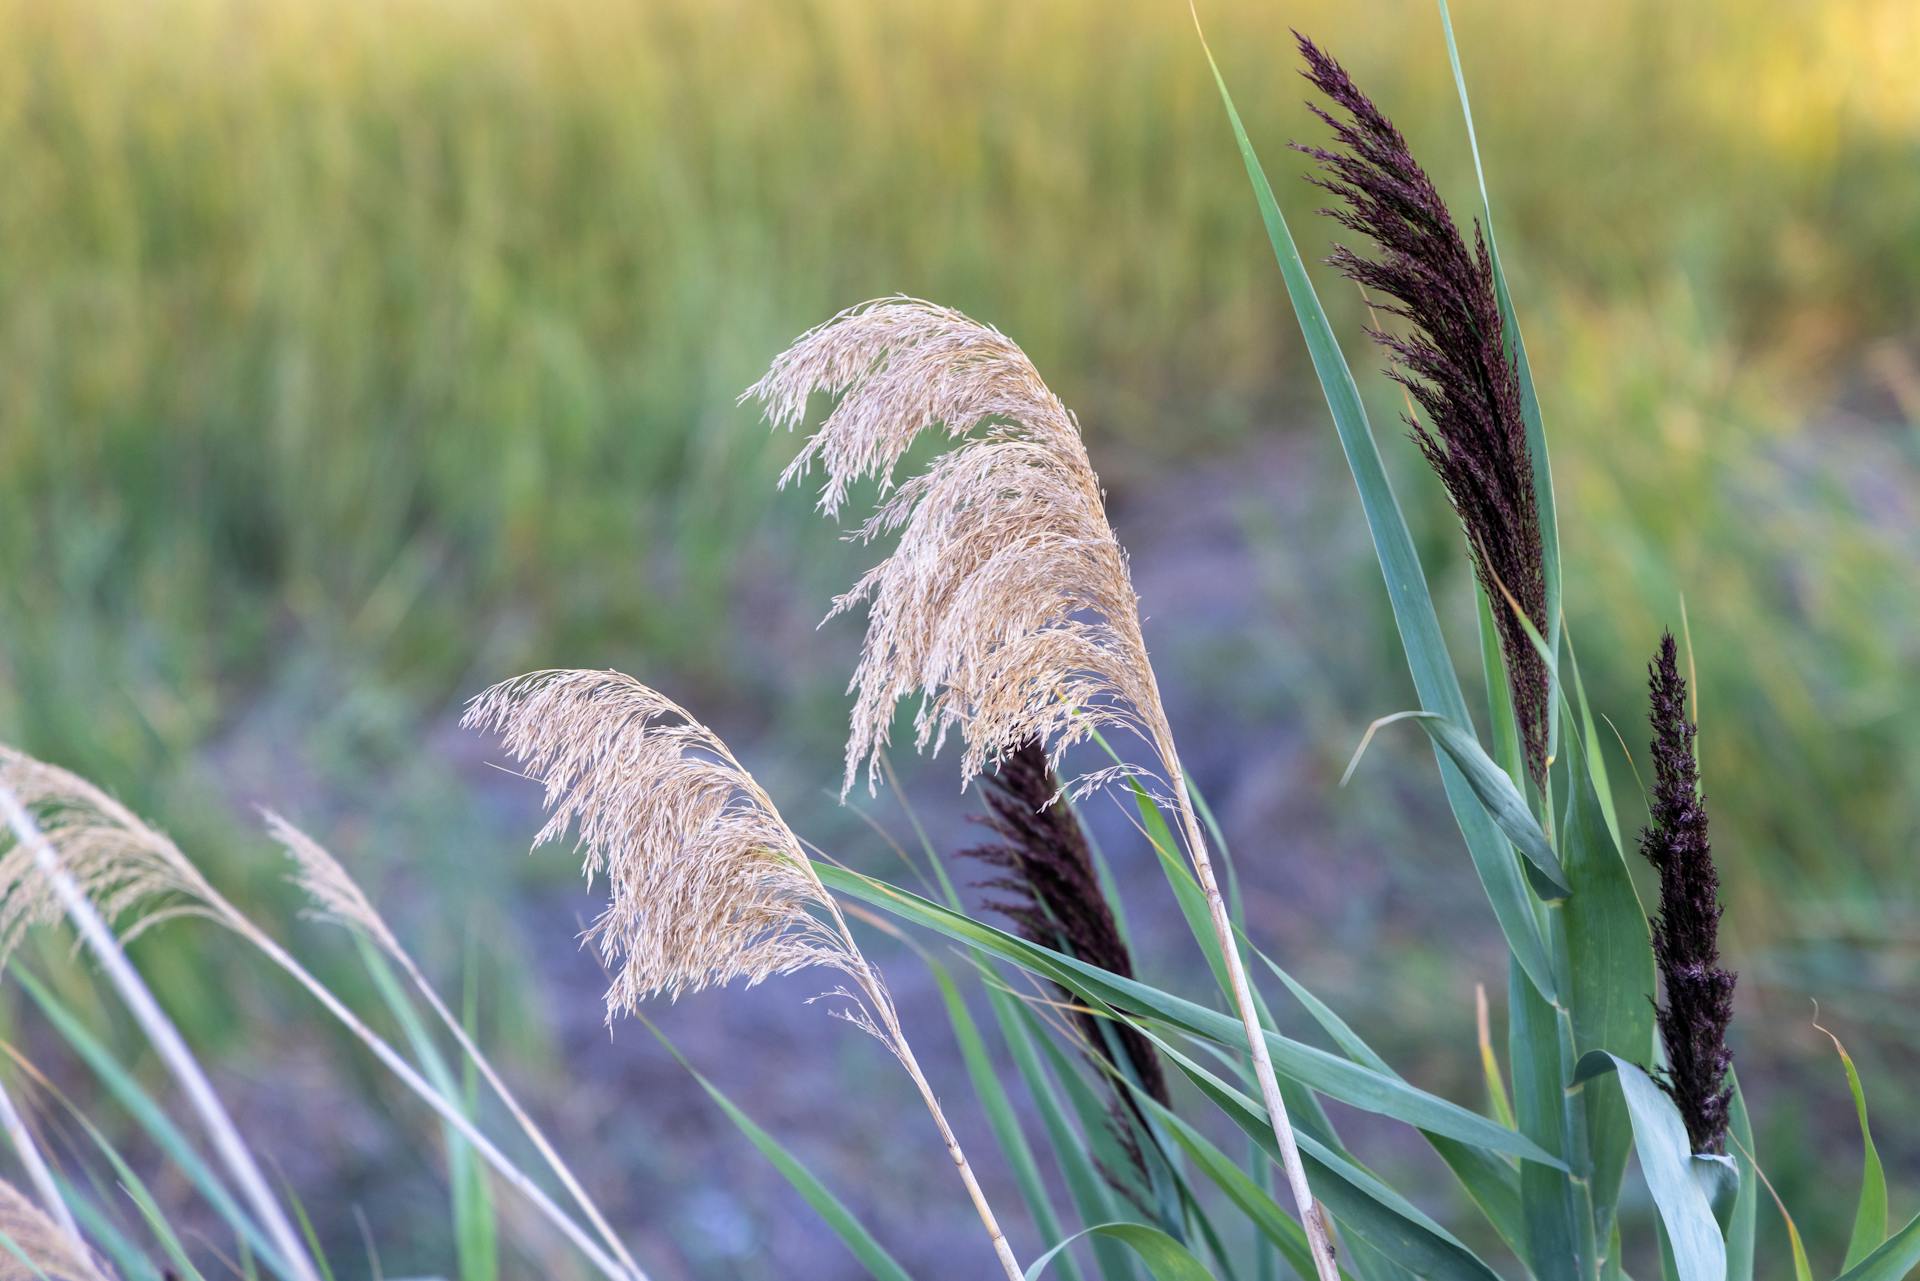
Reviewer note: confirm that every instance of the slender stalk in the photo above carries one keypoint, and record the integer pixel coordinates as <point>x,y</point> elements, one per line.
<point>37,1172</point>
<point>895,1038</point>
<point>391,1058</point>
<point>519,1114</point>
<point>1001,1249</point>
<point>1316,1228</point>
<point>165,1037</point>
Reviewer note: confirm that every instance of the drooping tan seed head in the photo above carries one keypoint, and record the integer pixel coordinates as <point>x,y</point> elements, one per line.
<point>120,863</point>
<point>1006,603</point>
<point>335,895</point>
<point>36,1249</point>
<point>709,882</point>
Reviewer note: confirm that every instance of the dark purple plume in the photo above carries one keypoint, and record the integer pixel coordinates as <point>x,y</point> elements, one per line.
<point>1053,895</point>
<point>1699,1004</point>
<point>1452,361</point>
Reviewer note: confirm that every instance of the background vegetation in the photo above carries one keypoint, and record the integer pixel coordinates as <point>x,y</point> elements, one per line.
<point>358,355</point>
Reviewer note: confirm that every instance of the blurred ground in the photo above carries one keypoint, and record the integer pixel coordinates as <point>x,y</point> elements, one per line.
<point>361,355</point>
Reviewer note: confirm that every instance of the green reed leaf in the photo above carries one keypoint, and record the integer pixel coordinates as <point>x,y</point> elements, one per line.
<point>1895,1260</point>
<point>1165,1257</point>
<point>1314,1068</point>
<point>1870,1214</point>
<point>1660,1137</point>
<point>1502,801</point>
<point>1611,983</point>
<point>832,1210</point>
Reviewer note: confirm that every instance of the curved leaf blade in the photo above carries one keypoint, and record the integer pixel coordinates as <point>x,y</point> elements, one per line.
<point>1165,1257</point>
<point>1317,1069</point>
<point>1699,1251</point>
<point>1870,1215</point>
<point>1898,1256</point>
<point>1503,803</point>
<point>834,1212</point>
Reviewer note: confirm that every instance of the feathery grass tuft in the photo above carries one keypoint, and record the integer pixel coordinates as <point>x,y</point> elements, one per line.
<point>1454,362</point>
<point>1699,994</point>
<point>1006,603</point>
<point>35,1248</point>
<point>709,882</point>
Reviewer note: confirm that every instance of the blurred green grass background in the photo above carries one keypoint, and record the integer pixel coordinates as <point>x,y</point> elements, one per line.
<point>359,354</point>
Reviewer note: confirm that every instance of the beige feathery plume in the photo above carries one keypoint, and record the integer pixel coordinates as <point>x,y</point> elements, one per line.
<point>1006,603</point>
<point>335,895</point>
<point>119,863</point>
<point>120,869</point>
<point>35,1248</point>
<point>709,883</point>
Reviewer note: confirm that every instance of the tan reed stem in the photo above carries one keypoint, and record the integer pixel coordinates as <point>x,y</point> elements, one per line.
<point>897,1042</point>
<point>1001,1249</point>
<point>165,1037</point>
<point>519,1114</point>
<point>37,1172</point>
<point>1317,1238</point>
<point>388,1056</point>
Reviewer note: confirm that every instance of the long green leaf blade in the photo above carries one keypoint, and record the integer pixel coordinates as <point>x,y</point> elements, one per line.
<point>1365,1207</point>
<point>832,1210</point>
<point>1546,1195</point>
<point>1743,1224</point>
<point>1254,1201</point>
<point>1893,1261</point>
<point>1611,984</point>
<point>1317,1069</point>
<point>1699,1250</point>
<point>1490,1182</point>
<point>1870,1215</point>
<point>1503,803</point>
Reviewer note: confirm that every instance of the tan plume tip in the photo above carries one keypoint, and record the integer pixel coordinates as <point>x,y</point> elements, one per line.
<point>335,896</point>
<point>119,863</point>
<point>1006,603</point>
<point>35,1248</point>
<point>709,882</point>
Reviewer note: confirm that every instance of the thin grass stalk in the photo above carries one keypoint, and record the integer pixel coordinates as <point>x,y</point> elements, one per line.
<point>453,1116</point>
<point>164,1036</point>
<point>36,1166</point>
<point>526,1123</point>
<point>1325,1265</point>
<point>340,899</point>
<point>903,1050</point>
